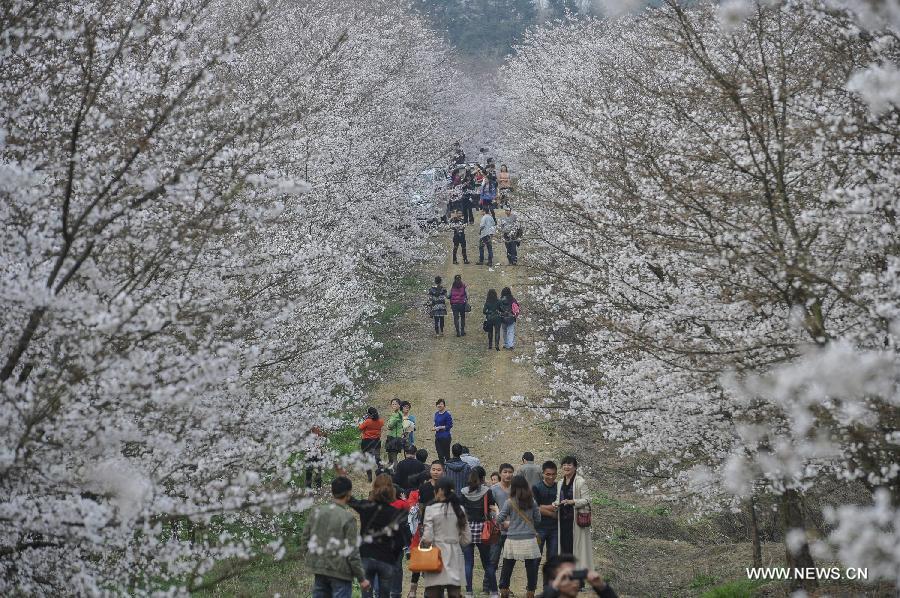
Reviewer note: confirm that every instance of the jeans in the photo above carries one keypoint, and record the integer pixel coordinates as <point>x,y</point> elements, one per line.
<point>397,580</point>
<point>438,324</point>
<point>459,240</point>
<point>493,334</point>
<point>380,572</point>
<point>548,538</point>
<point>512,252</point>
<point>496,550</point>
<point>509,335</point>
<point>485,242</point>
<point>459,317</point>
<point>490,574</point>
<point>531,573</point>
<point>332,587</point>
<point>442,446</point>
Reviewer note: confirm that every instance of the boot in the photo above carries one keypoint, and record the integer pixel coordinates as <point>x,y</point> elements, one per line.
<point>529,594</point>
<point>504,593</point>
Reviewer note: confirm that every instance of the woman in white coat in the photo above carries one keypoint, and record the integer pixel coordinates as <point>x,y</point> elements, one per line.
<point>572,498</point>
<point>445,526</point>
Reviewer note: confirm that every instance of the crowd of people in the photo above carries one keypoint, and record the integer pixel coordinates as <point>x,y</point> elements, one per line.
<point>480,186</point>
<point>418,508</point>
<point>500,312</point>
<point>472,185</point>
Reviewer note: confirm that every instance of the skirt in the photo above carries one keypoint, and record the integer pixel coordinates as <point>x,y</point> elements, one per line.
<point>521,550</point>
<point>475,528</point>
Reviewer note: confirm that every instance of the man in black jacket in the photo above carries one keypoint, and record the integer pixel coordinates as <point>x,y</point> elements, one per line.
<point>407,468</point>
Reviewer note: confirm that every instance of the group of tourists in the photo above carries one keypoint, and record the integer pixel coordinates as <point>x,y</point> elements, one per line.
<point>500,312</point>
<point>432,518</point>
<point>474,186</point>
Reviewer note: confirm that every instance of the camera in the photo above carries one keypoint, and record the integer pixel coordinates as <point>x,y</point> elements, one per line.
<point>579,574</point>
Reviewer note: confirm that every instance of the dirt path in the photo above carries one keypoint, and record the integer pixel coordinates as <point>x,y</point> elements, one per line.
<point>477,383</point>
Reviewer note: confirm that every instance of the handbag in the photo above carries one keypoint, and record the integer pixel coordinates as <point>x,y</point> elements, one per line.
<point>490,533</point>
<point>425,560</point>
<point>583,518</point>
<point>467,307</point>
<point>486,326</point>
<point>394,444</point>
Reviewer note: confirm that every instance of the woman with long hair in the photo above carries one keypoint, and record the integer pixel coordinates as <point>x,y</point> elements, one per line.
<point>520,513</point>
<point>492,320</point>
<point>509,313</point>
<point>384,534</point>
<point>445,526</point>
<point>459,298</point>
<point>370,441</point>
<point>478,502</point>
<point>572,498</point>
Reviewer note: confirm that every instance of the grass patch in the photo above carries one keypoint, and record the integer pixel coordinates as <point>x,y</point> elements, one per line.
<point>617,538</point>
<point>741,588</point>
<point>703,580</point>
<point>611,502</point>
<point>470,367</point>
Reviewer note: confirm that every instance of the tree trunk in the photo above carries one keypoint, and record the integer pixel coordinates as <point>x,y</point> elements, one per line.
<point>792,518</point>
<point>754,534</point>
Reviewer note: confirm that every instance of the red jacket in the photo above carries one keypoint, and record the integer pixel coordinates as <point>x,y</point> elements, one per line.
<point>371,428</point>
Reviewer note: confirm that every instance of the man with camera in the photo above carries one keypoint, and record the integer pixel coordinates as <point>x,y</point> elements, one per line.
<point>568,581</point>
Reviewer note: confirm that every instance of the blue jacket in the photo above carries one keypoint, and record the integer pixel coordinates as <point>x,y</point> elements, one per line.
<point>443,419</point>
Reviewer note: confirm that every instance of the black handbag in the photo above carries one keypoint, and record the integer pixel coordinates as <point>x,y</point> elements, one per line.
<point>467,307</point>
<point>486,326</point>
<point>394,444</point>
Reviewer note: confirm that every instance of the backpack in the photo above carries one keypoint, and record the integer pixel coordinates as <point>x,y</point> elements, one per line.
<point>515,308</point>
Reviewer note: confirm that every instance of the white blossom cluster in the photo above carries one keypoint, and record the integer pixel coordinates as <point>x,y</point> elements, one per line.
<point>199,202</point>
<point>717,201</point>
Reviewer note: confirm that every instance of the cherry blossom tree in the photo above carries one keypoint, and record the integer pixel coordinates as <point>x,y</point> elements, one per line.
<point>717,208</point>
<point>197,197</point>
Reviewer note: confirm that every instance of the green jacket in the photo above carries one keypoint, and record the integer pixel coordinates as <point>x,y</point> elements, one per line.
<point>395,425</point>
<point>331,538</point>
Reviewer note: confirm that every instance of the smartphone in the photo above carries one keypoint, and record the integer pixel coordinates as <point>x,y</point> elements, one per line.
<point>579,574</point>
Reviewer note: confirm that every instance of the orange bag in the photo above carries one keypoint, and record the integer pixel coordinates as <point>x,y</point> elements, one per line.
<point>425,560</point>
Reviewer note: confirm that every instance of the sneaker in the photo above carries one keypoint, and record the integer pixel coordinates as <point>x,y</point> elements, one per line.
<point>463,333</point>
<point>466,262</point>
<point>498,347</point>
<point>457,334</point>
<point>455,262</point>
